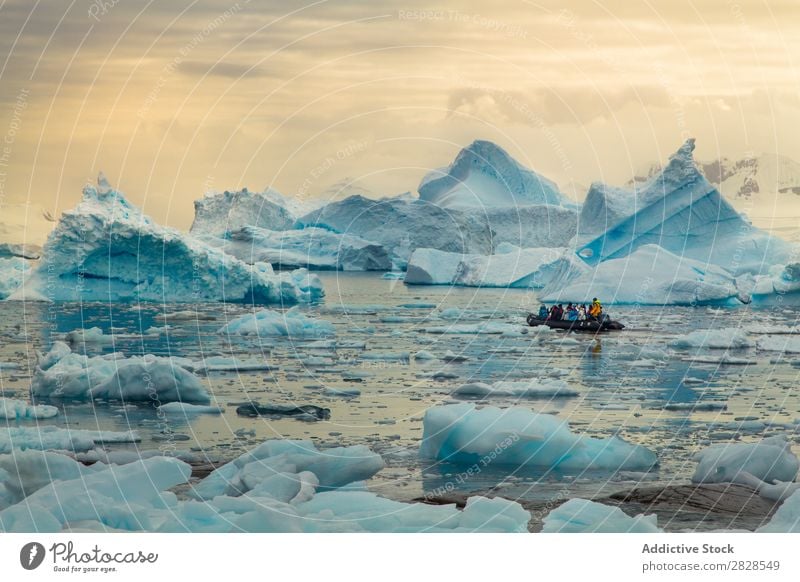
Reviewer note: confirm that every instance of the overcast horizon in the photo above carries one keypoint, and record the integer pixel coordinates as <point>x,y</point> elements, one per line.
<point>174,100</point>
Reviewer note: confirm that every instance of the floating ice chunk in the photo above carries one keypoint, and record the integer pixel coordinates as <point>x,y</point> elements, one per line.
<point>768,461</point>
<point>363,511</point>
<point>266,322</point>
<point>93,335</point>
<point>724,359</point>
<point>468,328</point>
<point>584,516</point>
<point>12,409</point>
<point>726,338</point>
<point>225,364</point>
<point>188,409</point>
<point>461,433</point>
<point>342,392</point>
<point>786,344</point>
<point>387,356</point>
<point>27,471</point>
<point>786,518</point>
<point>64,374</point>
<point>107,250</point>
<point>45,438</point>
<point>333,467</point>
<point>697,405</point>
<point>525,389</point>
<point>424,355</point>
<point>524,268</point>
<point>121,497</point>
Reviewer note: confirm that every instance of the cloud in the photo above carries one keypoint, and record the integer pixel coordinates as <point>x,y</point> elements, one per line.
<point>221,69</point>
<point>551,106</point>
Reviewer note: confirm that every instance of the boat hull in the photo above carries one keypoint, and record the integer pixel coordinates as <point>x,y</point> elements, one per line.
<point>584,325</point>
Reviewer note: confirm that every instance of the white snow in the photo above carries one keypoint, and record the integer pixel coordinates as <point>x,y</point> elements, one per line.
<point>107,250</point>
<point>13,409</point>
<point>313,248</point>
<point>267,322</point>
<point>485,175</point>
<point>584,516</point>
<point>517,436</point>
<point>726,338</point>
<point>64,374</point>
<point>526,268</point>
<point>534,388</point>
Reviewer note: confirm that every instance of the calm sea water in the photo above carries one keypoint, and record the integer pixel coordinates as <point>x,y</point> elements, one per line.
<point>625,380</point>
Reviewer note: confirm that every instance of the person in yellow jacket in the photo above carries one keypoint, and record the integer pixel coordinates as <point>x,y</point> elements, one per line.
<point>595,309</point>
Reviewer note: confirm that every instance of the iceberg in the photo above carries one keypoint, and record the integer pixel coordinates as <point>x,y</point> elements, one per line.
<point>517,436</point>
<point>217,214</point>
<point>13,271</point>
<point>313,248</point>
<point>107,250</point>
<point>584,516</point>
<point>64,374</point>
<point>523,268</point>
<point>401,225</point>
<point>267,322</point>
<point>680,211</point>
<point>650,275</point>
<point>485,175</point>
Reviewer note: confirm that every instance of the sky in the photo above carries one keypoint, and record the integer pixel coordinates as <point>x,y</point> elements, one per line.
<point>328,98</point>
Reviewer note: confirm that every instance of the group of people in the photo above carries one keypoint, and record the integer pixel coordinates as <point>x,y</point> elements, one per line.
<point>573,312</point>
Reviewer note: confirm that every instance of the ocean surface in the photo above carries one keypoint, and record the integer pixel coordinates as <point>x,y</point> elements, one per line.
<point>630,383</point>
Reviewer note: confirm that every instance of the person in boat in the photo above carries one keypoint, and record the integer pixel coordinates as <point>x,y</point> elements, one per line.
<point>596,310</point>
<point>572,312</point>
<point>561,311</point>
<point>543,311</point>
<point>582,313</point>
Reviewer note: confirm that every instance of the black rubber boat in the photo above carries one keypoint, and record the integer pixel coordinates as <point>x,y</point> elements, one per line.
<point>585,325</point>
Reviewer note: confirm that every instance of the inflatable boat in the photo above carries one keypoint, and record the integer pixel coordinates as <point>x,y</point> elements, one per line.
<point>606,324</point>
